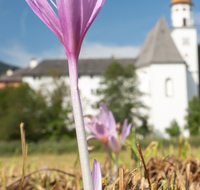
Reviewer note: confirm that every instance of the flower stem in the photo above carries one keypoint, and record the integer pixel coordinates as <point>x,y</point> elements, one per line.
<point>109,158</point>
<point>80,128</point>
<point>115,167</point>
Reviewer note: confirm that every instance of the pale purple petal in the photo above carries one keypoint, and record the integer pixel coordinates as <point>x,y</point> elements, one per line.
<point>114,144</point>
<point>107,118</point>
<point>104,113</point>
<point>100,129</point>
<point>112,123</point>
<point>96,176</point>
<point>125,131</point>
<point>91,137</point>
<point>70,20</point>
<point>45,12</point>
<point>97,8</point>
<point>90,124</point>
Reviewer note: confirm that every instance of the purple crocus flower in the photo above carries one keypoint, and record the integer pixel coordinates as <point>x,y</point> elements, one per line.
<point>96,176</point>
<point>70,26</point>
<point>115,142</point>
<point>103,126</point>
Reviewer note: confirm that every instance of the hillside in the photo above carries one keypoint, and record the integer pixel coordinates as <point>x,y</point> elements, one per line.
<point>4,67</point>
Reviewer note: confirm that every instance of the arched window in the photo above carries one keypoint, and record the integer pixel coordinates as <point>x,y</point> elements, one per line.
<point>184,22</point>
<point>169,88</point>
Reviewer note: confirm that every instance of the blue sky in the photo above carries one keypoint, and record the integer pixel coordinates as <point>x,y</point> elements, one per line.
<point>119,30</point>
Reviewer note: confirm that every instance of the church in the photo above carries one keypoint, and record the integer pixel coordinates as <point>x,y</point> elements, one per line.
<point>168,67</point>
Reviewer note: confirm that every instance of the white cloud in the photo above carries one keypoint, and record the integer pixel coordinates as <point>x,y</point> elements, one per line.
<point>18,55</point>
<point>98,50</point>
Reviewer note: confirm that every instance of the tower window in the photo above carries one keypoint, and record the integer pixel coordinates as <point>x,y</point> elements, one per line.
<point>176,9</point>
<point>184,9</point>
<point>169,89</point>
<point>184,22</point>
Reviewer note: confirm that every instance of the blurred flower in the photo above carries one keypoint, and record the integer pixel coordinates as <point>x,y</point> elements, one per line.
<point>96,176</point>
<point>116,142</point>
<point>101,127</point>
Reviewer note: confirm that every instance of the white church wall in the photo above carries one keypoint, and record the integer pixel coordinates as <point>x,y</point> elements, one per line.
<point>144,77</point>
<point>186,42</point>
<point>168,104</point>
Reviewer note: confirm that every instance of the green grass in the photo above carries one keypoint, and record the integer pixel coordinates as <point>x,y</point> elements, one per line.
<point>62,147</point>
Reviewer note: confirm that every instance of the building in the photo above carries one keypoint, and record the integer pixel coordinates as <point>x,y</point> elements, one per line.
<point>89,71</point>
<point>14,75</point>
<point>167,69</point>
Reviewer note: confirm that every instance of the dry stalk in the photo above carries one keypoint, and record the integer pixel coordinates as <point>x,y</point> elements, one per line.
<point>24,153</point>
<point>187,176</point>
<point>38,171</point>
<point>174,182</point>
<point>121,178</point>
<point>138,145</point>
<point>180,143</point>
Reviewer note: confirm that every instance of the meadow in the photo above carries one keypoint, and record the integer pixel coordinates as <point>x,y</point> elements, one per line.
<point>51,169</point>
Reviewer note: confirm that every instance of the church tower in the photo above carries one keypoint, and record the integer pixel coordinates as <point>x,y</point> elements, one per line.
<point>184,34</point>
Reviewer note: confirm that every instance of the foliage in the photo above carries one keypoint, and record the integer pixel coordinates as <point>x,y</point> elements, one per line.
<point>144,129</point>
<point>44,115</point>
<point>119,91</point>
<point>193,116</point>
<point>173,130</point>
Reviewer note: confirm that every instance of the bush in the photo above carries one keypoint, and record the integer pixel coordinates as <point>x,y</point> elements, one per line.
<point>193,116</point>
<point>46,116</point>
<point>173,130</point>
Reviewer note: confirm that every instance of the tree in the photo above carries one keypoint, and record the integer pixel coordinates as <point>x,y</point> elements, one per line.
<point>119,91</point>
<point>45,113</point>
<point>173,130</point>
<point>144,129</point>
<point>193,116</point>
<point>18,105</point>
<point>59,108</point>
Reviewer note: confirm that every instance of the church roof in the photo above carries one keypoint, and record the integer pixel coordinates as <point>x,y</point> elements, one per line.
<point>85,66</point>
<point>159,47</point>
<point>16,76</point>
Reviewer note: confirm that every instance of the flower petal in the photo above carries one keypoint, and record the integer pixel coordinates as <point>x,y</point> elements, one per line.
<point>96,176</point>
<point>125,131</point>
<point>114,143</point>
<point>45,12</point>
<point>97,8</point>
<point>76,16</point>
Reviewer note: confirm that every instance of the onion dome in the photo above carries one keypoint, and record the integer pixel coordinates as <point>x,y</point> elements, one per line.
<point>181,1</point>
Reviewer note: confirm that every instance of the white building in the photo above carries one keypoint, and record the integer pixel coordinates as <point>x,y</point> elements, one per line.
<point>89,71</point>
<point>168,67</point>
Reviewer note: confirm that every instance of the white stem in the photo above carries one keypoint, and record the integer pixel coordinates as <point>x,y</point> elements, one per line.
<point>109,159</point>
<point>115,167</point>
<point>80,128</point>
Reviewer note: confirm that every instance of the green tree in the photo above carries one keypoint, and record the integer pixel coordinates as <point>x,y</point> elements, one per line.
<point>173,130</point>
<point>144,129</point>
<point>119,89</point>
<point>193,116</point>
<point>59,109</point>
<point>18,105</point>
<point>46,113</point>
